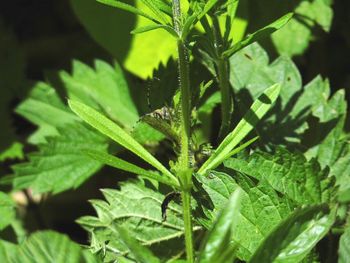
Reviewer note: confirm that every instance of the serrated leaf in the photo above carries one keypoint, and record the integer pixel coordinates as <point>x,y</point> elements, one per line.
<point>138,209</point>
<point>217,245</point>
<point>60,165</point>
<point>344,246</point>
<point>45,247</point>
<point>117,134</point>
<point>296,36</point>
<point>7,211</point>
<point>296,236</point>
<point>142,254</point>
<point>265,31</point>
<point>44,99</point>
<point>291,174</point>
<point>259,108</point>
<point>262,208</point>
<point>104,88</point>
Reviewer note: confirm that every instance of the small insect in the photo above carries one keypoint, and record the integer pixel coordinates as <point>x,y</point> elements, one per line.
<point>168,198</point>
<point>247,56</point>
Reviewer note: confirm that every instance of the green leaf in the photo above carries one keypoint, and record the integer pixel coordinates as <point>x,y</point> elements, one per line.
<point>44,99</point>
<point>7,211</point>
<point>344,246</point>
<point>259,108</point>
<point>137,209</point>
<point>104,88</point>
<point>126,7</point>
<point>148,28</point>
<point>265,31</point>
<point>113,131</point>
<point>208,5</point>
<point>261,209</point>
<point>45,247</point>
<point>141,253</point>
<point>296,36</point>
<point>291,174</point>
<point>98,18</point>
<point>118,163</point>
<point>60,165</point>
<point>217,245</point>
<point>296,236</point>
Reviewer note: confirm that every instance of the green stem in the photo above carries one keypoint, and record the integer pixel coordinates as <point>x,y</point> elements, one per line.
<point>186,205</point>
<point>222,65</point>
<point>226,96</point>
<point>184,169</point>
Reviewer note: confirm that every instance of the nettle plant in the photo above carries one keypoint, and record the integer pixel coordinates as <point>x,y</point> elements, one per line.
<point>213,200</point>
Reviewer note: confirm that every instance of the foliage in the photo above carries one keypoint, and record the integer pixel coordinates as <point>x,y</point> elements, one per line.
<point>268,181</point>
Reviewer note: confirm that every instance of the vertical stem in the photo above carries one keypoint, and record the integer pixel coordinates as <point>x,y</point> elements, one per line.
<point>223,80</point>
<point>186,205</point>
<point>226,97</point>
<point>184,171</point>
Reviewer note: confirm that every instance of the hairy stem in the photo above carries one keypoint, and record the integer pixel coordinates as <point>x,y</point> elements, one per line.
<point>186,205</point>
<point>184,170</point>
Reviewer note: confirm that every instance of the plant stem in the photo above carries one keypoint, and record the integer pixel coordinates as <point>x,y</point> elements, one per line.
<point>186,205</point>
<point>226,97</point>
<point>222,66</point>
<point>184,169</point>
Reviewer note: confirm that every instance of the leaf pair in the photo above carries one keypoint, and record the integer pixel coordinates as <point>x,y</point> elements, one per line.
<point>259,108</point>
<point>117,134</point>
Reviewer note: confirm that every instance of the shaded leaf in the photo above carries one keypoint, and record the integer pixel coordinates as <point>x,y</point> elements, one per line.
<point>296,236</point>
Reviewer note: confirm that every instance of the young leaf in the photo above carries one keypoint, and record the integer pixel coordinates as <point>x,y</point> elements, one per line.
<point>263,32</point>
<point>127,7</point>
<point>259,108</point>
<point>155,8</point>
<point>118,163</point>
<point>296,236</point>
<point>148,28</point>
<point>141,253</point>
<point>116,133</point>
<point>209,5</point>
<point>218,247</point>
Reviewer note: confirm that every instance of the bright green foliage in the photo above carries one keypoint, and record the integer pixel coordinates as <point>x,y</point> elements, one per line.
<point>117,134</point>
<point>45,247</point>
<point>297,35</point>
<point>289,119</point>
<point>137,209</point>
<point>291,174</point>
<point>60,165</point>
<point>261,209</point>
<point>251,38</point>
<point>44,99</point>
<point>217,245</point>
<point>7,210</point>
<point>344,246</point>
<point>295,237</point>
<point>104,88</point>
<point>259,108</point>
